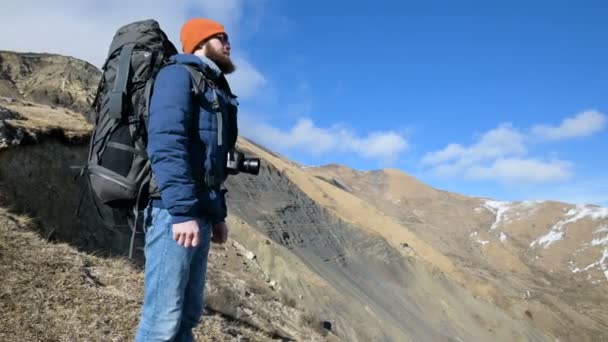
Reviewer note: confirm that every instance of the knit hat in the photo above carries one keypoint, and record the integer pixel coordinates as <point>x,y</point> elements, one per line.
<point>196,31</point>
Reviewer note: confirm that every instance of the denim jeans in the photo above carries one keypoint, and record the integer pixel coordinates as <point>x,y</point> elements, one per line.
<point>174,280</point>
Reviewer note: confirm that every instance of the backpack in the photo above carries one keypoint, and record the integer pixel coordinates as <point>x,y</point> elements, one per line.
<point>118,171</point>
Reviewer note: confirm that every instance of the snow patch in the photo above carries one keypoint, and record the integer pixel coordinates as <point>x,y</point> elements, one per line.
<point>600,242</point>
<point>499,209</point>
<point>531,204</point>
<point>478,240</point>
<point>600,263</point>
<point>549,238</point>
<point>503,237</point>
<point>572,267</point>
<point>558,231</point>
<point>601,229</point>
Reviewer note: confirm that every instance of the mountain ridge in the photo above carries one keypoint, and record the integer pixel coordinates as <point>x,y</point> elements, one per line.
<point>380,244</point>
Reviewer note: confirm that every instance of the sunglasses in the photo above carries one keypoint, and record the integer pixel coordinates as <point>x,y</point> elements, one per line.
<point>222,38</point>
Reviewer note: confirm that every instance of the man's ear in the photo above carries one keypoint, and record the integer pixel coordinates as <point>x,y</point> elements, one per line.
<point>200,49</point>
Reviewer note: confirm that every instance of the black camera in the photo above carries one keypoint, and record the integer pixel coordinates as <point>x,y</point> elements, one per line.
<point>237,162</point>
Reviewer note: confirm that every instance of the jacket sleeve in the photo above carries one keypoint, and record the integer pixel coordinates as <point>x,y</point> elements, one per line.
<point>169,127</point>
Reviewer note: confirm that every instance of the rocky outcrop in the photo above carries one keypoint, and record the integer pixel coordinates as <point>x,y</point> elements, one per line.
<point>47,79</point>
<point>517,252</point>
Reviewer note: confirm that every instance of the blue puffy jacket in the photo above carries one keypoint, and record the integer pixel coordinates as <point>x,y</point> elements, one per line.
<point>188,158</point>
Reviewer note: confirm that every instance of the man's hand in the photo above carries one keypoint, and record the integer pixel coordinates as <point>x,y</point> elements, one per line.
<point>220,233</point>
<point>186,233</point>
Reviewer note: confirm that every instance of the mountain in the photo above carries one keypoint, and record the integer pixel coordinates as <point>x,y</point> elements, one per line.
<point>333,253</point>
<point>48,79</point>
<point>528,257</point>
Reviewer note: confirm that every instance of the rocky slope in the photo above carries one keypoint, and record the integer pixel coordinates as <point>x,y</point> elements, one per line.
<point>543,260</point>
<point>331,269</point>
<point>52,292</point>
<point>396,293</point>
<point>48,79</point>
<point>355,256</point>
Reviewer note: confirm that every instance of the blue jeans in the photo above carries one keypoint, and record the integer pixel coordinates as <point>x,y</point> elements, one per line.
<point>174,280</point>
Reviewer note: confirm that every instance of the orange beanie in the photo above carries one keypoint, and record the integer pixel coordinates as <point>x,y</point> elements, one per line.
<point>197,30</point>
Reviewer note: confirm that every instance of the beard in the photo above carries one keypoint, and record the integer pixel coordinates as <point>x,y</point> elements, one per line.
<point>222,60</point>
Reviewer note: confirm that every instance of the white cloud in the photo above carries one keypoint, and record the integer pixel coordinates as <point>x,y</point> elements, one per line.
<point>591,190</point>
<point>84,29</point>
<point>450,152</point>
<point>306,137</point>
<point>584,124</point>
<point>499,142</point>
<point>516,170</point>
<point>227,12</point>
<point>499,155</point>
<point>246,81</point>
<point>383,145</point>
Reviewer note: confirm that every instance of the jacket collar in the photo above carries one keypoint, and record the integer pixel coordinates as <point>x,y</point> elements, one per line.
<point>211,66</point>
<point>207,66</point>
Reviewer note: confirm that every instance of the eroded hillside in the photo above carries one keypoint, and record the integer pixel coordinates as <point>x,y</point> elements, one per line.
<point>48,79</point>
<point>310,249</point>
<point>543,260</point>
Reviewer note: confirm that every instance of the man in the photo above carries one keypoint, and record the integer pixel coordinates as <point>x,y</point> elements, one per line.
<point>189,136</point>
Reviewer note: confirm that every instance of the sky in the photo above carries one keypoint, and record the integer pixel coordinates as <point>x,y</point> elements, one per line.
<point>501,99</point>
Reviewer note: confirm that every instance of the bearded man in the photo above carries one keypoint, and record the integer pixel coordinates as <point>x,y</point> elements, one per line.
<point>192,126</point>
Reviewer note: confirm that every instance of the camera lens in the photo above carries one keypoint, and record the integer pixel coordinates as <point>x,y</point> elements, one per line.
<point>251,166</point>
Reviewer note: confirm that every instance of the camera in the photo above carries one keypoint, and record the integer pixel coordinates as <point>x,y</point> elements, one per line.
<point>237,162</point>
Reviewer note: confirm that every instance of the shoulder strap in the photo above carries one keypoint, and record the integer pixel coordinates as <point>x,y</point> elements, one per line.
<point>118,93</point>
<point>198,79</point>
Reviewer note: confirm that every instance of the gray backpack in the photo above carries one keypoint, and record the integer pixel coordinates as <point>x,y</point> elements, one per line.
<point>118,170</point>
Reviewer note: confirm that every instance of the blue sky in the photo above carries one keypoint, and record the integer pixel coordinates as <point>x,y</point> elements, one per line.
<point>496,99</point>
<point>517,90</point>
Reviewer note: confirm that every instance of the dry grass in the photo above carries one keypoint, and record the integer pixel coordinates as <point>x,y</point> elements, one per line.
<point>41,119</point>
<point>51,292</point>
<point>313,321</point>
<point>288,300</point>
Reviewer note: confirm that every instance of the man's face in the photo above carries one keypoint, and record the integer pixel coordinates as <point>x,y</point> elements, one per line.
<point>217,48</point>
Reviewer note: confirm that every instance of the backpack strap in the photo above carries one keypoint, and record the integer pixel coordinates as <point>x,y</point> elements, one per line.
<point>197,77</point>
<point>119,92</point>
<point>147,97</point>
<point>199,81</point>
<point>220,118</point>
<point>134,224</point>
